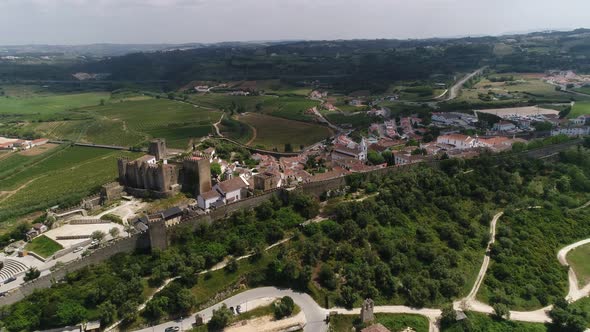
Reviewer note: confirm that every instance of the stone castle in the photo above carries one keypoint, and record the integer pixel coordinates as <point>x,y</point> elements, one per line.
<point>153,176</point>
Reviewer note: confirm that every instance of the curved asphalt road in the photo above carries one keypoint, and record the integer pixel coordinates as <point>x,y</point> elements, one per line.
<point>314,314</point>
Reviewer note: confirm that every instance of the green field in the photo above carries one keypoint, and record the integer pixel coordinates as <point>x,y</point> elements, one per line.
<point>45,106</point>
<point>130,123</point>
<point>43,246</point>
<point>394,322</point>
<point>580,108</point>
<point>288,107</point>
<point>483,322</point>
<point>61,176</point>
<point>522,88</point>
<point>273,132</point>
<point>579,259</point>
<point>584,306</point>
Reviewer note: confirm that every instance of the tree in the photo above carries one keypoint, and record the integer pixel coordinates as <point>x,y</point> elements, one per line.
<point>98,236</point>
<point>215,169</point>
<point>448,317</point>
<point>32,273</point>
<point>283,307</point>
<point>107,313</point>
<point>185,301</point>
<point>114,232</point>
<point>501,311</point>
<point>128,311</point>
<point>156,308</point>
<point>220,319</point>
<point>327,277</point>
<point>70,313</point>
<point>348,296</point>
<point>288,147</point>
<point>232,265</point>
<point>375,158</point>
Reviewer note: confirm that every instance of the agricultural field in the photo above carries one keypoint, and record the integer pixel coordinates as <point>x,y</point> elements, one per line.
<point>131,123</point>
<point>288,107</point>
<point>272,132</point>
<point>579,259</point>
<point>61,176</point>
<point>47,106</point>
<point>511,87</point>
<point>584,89</point>
<point>43,246</point>
<point>580,108</point>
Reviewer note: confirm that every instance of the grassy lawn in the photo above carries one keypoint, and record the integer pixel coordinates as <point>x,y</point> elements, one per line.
<point>59,177</point>
<point>483,322</point>
<point>583,305</point>
<point>579,259</point>
<point>394,322</point>
<point>46,105</point>
<point>214,282</point>
<point>273,132</point>
<point>580,108</point>
<point>43,246</point>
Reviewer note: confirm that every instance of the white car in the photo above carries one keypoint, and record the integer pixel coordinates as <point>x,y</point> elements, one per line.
<point>78,249</point>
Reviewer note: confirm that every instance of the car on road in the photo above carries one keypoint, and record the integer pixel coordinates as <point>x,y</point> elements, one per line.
<point>172,329</point>
<point>78,249</point>
<point>239,309</point>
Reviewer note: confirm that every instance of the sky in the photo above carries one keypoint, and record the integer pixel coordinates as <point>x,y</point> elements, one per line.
<point>183,21</point>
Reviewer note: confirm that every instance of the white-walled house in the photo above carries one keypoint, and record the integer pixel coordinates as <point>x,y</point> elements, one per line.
<point>459,141</point>
<point>207,199</point>
<point>224,192</point>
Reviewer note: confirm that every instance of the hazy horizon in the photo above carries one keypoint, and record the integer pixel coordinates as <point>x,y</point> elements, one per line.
<point>82,22</point>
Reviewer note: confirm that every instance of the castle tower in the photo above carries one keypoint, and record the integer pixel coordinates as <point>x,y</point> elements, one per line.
<point>122,166</point>
<point>158,236</point>
<point>197,175</point>
<point>157,148</point>
<point>363,150</point>
<point>367,311</point>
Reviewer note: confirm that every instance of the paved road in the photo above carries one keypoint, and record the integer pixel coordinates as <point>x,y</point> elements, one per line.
<point>314,314</point>
<point>454,90</point>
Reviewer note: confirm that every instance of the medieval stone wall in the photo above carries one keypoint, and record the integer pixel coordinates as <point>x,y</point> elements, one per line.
<point>130,244</point>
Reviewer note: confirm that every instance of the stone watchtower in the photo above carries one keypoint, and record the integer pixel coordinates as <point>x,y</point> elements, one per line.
<point>367,311</point>
<point>158,236</point>
<point>157,148</point>
<point>197,175</point>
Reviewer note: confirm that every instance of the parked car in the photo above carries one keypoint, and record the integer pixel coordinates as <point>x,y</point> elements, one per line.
<point>78,249</point>
<point>239,309</point>
<point>172,329</point>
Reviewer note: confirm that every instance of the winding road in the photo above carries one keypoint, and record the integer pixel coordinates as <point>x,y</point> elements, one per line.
<point>315,315</point>
<point>453,92</point>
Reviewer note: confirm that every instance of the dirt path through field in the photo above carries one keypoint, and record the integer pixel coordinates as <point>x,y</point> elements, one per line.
<point>9,193</point>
